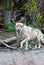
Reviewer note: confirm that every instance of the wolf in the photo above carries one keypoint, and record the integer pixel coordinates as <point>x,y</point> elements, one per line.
<point>30,34</point>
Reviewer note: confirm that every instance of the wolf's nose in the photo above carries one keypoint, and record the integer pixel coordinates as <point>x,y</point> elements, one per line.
<point>18,30</point>
<point>11,21</point>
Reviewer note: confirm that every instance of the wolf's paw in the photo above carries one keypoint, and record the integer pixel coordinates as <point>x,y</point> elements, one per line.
<point>26,48</point>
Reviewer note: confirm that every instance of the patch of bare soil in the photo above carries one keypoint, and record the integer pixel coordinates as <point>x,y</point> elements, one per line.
<point>5,34</point>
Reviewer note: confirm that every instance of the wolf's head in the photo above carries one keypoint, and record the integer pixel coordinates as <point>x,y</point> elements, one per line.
<point>19,26</point>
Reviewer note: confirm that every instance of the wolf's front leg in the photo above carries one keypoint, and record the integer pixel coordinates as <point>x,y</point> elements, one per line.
<point>26,45</point>
<point>24,41</point>
<point>17,34</point>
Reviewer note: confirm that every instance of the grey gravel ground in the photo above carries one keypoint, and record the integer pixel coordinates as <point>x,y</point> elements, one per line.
<point>22,57</point>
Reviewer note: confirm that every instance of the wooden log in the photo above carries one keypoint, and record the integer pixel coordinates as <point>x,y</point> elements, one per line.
<point>10,40</point>
<point>8,46</point>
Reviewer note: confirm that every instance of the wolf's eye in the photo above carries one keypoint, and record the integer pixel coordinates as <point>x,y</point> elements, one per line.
<point>17,26</point>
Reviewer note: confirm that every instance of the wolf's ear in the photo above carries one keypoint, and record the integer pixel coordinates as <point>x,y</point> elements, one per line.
<point>23,24</point>
<point>13,22</point>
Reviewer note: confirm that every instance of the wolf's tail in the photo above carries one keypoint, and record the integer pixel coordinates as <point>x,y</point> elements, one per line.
<point>42,38</point>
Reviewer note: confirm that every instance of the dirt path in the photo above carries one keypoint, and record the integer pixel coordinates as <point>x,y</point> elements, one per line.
<point>8,34</point>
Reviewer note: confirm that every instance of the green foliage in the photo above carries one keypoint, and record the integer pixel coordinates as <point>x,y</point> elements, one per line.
<point>31,24</point>
<point>39,20</point>
<point>2,33</point>
<point>10,26</point>
<point>31,46</point>
<point>30,6</point>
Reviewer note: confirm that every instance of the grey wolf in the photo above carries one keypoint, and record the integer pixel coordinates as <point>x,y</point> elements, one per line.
<point>30,34</point>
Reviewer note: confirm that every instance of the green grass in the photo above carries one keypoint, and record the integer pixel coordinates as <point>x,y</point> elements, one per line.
<point>31,24</point>
<point>10,27</point>
<point>31,46</point>
<point>2,33</point>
